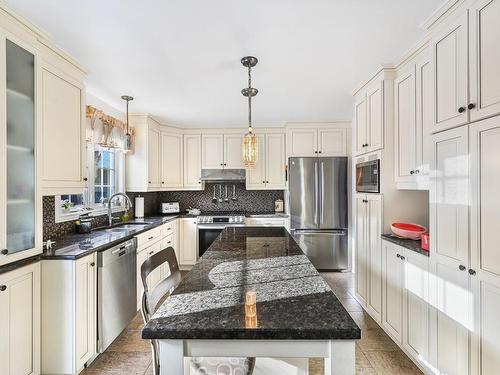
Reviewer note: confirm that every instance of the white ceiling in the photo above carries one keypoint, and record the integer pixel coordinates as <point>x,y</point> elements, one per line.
<point>180,59</point>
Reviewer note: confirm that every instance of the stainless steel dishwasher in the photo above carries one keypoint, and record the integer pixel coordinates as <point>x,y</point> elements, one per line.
<point>116,294</point>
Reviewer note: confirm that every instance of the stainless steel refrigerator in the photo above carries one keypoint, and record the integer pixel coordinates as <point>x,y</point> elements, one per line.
<point>318,209</point>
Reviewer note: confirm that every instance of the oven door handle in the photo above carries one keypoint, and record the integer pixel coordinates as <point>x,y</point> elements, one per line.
<point>219,226</point>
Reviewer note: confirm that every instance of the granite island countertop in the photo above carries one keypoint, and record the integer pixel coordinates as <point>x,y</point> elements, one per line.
<point>293,300</point>
<point>413,245</point>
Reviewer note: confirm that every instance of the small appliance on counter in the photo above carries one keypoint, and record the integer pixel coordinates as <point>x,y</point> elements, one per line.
<point>279,206</point>
<point>426,241</point>
<point>170,208</point>
<point>84,224</point>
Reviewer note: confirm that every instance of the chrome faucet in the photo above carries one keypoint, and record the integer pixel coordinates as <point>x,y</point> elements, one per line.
<point>128,205</point>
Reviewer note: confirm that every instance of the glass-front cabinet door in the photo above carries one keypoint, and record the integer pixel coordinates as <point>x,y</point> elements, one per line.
<point>19,202</point>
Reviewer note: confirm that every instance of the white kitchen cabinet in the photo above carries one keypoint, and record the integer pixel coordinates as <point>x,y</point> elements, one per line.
<point>192,162</point>
<point>212,151</point>
<point>360,124</point>
<point>368,253</point>
<point>484,59</point>
<point>317,141</point>
<point>450,75</point>
<point>393,290</point>
<point>142,256</point>
<point>20,134</point>
<point>171,160</point>
<point>485,258</point>
<point>69,314</point>
<point>449,218</point>
<point>154,157</point>
<point>233,151</point>
<point>449,197</point>
<point>405,125</point>
<point>302,142</point>
<point>188,241</point>
<point>416,306</point>
<point>85,309</point>
<point>369,118</point>
<point>20,321</point>
<point>62,133</point>
<point>269,172</point>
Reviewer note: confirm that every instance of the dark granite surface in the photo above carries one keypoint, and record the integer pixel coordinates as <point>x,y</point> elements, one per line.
<point>413,245</point>
<point>293,300</point>
<point>79,245</point>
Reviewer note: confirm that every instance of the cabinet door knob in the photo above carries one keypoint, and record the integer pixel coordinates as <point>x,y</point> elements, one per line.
<point>461,110</point>
<point>398,256</point>
<point>472,272</point>
<point>471,106</point>
<point>5,252</point>
<point>151,252</point>
<point>402,257</point>
<point>319,152</point>
<point>3,288</point>
<point>417,171</point>
<point>92,264</point>
<point>85,179</point>
<point>267,182</point>
<point>149,182</point>
<point>315,152</point>
<point>411,172</point>
<point>461,267</point>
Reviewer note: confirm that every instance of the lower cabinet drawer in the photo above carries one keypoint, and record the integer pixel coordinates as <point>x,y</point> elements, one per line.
<point>148,238</point>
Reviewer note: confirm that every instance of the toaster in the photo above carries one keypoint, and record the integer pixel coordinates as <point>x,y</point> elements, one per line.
<point>170,208</point>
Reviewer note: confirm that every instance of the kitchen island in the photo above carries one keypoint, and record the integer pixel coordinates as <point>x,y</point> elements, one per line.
<point>254,293</point>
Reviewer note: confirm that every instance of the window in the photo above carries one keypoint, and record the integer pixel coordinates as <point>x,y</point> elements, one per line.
<point>105,176</point>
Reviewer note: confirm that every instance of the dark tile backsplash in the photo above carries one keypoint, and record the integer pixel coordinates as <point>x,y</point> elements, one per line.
<point>251,201</point>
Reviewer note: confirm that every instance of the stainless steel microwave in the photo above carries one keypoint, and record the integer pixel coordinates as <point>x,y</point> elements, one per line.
<point>368,176</point>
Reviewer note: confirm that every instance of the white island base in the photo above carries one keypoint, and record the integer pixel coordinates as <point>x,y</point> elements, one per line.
<point>339,354</point>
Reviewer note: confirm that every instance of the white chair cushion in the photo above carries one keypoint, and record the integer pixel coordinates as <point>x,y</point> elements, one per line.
<point>219,366</point>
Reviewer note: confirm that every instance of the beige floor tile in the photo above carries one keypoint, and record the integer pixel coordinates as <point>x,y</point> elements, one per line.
<point>130,341</point>
<point>119,363</point>
<point>363,320</point>
<point>351,304</point>
<point>137,323</point>
<point>376,339</point>
<point>366,371</point>
<point>392,363</point>
<point>361,360</point>
<point>316,366</point>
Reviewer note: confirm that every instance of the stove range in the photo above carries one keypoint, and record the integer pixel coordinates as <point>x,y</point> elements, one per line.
<point>211,224</point>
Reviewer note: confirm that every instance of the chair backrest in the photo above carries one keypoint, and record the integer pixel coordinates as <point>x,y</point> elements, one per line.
<point>151,298</point>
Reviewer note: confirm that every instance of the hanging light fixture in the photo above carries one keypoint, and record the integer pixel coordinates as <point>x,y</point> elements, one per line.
<point>127,143</point>
<point>250,147</point>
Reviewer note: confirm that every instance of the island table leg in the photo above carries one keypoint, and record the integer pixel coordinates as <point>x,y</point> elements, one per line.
<point>342,359</point>
<point>171,357</point>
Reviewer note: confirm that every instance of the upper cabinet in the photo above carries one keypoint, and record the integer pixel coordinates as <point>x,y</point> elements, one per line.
<point>484,58</point>
<point>192,161</point>
<point>466,63</point>
<point>412,121</point>
<point>369,118</point>
<point>171,160</point>
<point>269,172</point>
<point>154,155</point>
<point>222,151</point>
<point>20,208</point>
<point>311,140</point>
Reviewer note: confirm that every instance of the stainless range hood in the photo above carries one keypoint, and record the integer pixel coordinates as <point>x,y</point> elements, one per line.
<point>223,175</point>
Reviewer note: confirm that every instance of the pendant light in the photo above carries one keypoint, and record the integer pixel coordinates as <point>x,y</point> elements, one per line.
<point>127,143</point>
<point>250,146</point>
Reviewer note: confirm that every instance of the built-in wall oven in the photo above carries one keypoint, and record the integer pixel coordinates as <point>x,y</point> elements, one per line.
<point>368,176</point>
<point>210,226</point>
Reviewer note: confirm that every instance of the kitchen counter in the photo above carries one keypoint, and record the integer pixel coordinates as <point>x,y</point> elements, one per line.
<point>79,245</point>
<point>413,245</point>
<point>293,300</point>
<point>267,215</point>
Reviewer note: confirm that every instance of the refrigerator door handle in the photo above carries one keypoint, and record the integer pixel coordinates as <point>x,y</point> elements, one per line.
<point>333,232</point>
<point>322,178</point>
<point>315,192</point>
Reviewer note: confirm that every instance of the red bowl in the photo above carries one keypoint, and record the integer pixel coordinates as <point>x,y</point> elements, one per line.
<point>408,230</point>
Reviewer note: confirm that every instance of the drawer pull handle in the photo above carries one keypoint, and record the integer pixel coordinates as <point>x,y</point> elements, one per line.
<point>3,288</point>
<point>150,238</point>
<point>151,252</point>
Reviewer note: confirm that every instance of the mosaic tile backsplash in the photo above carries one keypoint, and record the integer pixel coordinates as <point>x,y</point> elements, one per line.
<point>250,201</point>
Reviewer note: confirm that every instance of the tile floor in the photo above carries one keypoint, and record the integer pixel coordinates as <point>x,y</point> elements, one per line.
<point>376,353</point>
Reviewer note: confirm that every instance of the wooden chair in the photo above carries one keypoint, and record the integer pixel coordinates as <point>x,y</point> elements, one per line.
<point>152,300</point>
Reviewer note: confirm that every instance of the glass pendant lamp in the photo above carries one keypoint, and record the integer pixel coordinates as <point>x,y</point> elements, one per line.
<point>250,145</point>
<point>127,143</point>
